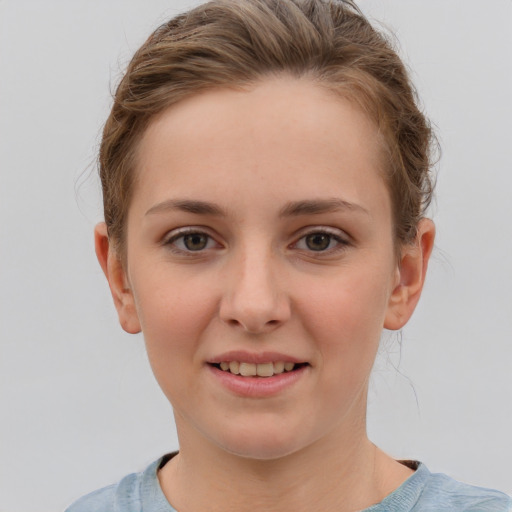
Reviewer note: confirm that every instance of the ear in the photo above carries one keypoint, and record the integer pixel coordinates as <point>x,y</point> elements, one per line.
<point>411,273</point>
<point>114,271</point>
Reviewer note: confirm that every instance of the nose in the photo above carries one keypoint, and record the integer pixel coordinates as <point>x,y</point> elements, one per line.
<point>254,297</point>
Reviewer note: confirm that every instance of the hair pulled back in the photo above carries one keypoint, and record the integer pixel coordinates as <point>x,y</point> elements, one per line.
<point>232,43</point>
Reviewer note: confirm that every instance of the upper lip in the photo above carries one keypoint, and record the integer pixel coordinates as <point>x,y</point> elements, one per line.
<point>254,357</point>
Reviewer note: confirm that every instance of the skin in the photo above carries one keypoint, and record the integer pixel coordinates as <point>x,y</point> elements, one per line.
<point>256,156</point>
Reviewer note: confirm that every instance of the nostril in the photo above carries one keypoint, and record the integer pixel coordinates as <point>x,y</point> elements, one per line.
<point>252,313</point>
<point>253,326</point>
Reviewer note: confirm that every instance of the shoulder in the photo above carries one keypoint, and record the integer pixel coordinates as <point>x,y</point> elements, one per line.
<point>101,500</point>
<point>121,497</point>
<point>424,491</point>
<point>443,493</point>
<point>134,493</point>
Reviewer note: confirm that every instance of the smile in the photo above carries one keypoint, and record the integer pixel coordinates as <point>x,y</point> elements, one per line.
<point>268,369</point>
<point>261,375</point>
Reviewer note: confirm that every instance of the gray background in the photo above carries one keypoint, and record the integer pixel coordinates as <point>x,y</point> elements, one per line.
<point>79,407</point>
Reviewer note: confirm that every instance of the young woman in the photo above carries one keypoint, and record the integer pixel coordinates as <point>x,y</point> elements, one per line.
<point>265,174</point>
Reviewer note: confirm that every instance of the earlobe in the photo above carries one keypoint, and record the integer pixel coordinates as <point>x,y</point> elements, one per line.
<point>114,271</point>
<point>410,276</point>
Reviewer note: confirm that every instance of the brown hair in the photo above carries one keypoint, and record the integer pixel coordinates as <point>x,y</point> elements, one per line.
<point>232,43</point>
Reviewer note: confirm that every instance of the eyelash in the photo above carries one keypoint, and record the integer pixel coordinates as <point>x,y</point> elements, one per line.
<point>172,240</point>
<point>333,236</point>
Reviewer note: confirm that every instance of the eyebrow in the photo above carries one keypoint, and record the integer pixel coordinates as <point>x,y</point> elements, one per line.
<point>292,209</point>
<point>317,206</point>
<point>189,206</point>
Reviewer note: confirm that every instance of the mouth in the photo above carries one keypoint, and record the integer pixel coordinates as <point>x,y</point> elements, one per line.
<point>265,370</point>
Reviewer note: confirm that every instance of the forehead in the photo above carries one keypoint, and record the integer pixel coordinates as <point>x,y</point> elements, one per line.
<point>290,133</point>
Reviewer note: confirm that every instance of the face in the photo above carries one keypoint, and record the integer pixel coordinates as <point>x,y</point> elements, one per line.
<point>259,240</point>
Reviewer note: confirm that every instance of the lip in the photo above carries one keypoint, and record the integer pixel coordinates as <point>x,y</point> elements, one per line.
<point>256,358</point>
<point>256,387</point>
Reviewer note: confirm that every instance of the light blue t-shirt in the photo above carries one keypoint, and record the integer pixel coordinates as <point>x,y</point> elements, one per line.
<point>421,492</point>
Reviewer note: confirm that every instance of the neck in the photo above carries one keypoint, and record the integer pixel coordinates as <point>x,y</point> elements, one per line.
<point>203,477</point>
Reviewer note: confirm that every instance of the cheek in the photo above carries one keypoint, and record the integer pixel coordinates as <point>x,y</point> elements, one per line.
<point>346,315</point>
<point>173,314</point>
<point>173,322</point>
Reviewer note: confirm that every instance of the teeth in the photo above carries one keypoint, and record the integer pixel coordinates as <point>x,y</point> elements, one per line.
<point>279,367</point>
<point>265,370</point>
<point>234,367</point>
<point>247,369</point>
<point>253,370</point>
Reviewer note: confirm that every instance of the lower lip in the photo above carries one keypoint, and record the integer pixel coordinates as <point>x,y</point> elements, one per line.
<point>257,387</point>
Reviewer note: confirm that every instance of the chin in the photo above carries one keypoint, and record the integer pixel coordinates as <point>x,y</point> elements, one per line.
<point>261,452</point>
<point>262,444</point>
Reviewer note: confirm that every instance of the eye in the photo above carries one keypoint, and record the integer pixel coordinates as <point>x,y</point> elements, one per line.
<point>190,241</point>
<point>318,241</point>
<point>321,241</point>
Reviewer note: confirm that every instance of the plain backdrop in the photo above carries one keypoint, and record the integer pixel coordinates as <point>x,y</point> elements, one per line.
<point>79,406</point>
